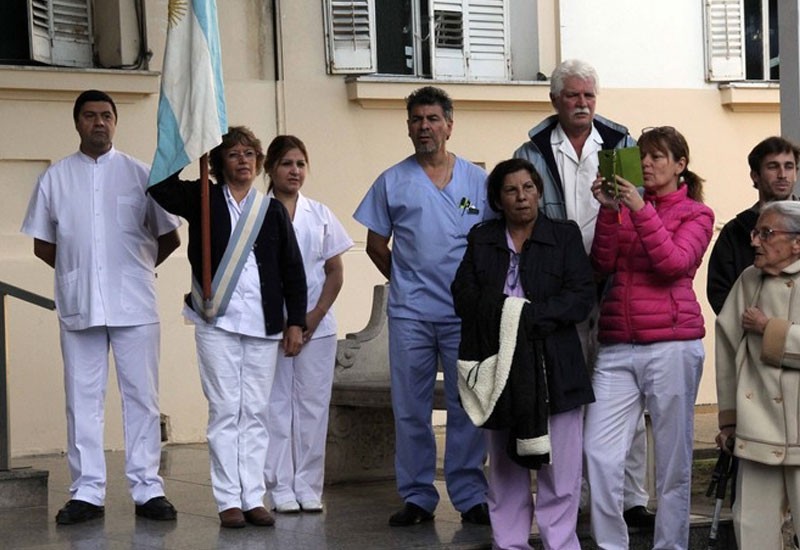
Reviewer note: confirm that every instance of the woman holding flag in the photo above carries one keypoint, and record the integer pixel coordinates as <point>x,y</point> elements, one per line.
<point>257,272</point>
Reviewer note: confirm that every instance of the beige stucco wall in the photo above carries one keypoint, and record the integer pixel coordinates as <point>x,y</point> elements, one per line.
<point>352,132</point>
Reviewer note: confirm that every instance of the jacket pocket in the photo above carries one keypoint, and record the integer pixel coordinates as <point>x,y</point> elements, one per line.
<point>130,212</point>
<point>68,295</point>
<point>137,293</point>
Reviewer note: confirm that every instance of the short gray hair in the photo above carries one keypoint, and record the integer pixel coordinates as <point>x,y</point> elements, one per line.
<point>788,210</point>
<point>573,68</point>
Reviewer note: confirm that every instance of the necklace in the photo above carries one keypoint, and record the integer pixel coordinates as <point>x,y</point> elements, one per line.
<point>448,172</point>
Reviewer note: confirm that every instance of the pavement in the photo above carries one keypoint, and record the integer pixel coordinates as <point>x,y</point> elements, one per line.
<point>355,515</point>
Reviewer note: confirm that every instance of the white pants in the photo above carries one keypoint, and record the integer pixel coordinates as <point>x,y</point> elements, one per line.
<point>763,494</point>
<point>636,459</point>
<point>663,377</point>
<point>85,354</point>
<point>236,372</point>
<point>298,428</point>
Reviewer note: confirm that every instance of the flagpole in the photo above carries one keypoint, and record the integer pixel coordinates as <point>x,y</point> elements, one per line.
<point>205,232</point>
<point>192,116</point>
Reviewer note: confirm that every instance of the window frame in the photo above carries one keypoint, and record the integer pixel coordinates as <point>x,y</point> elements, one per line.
<point>726,41</point>
<point>486,47</point>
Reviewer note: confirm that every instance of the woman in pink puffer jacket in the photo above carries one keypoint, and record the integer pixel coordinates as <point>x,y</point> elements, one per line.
<point>651,353</point>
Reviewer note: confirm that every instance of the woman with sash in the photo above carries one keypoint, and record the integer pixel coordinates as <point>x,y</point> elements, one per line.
<point>257,274</point>
<point>302,393</point>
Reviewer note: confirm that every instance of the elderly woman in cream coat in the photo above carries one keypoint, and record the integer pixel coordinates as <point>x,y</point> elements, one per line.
<point>758,380</point>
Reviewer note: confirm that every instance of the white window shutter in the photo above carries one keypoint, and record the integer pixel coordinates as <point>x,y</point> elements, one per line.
<point>484,50</point>
<point>487,39</point>
<point>350,33</point>
<point>448,22</point>
<point>60,32</point>
<point>724,28</point>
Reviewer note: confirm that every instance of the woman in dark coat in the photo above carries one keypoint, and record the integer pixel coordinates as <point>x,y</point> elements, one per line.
<point>536,266</point>
<point>258,302</point>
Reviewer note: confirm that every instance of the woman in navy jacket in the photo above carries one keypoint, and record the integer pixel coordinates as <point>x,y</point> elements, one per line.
<point>527,255</point>
<point>237,347</point>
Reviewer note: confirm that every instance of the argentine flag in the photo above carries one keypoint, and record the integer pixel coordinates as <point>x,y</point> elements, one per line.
<point>191,108</point>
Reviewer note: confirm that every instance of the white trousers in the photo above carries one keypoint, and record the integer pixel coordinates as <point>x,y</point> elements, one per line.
<point>636,459</point>
<point>298,428</point>
<point>763,495</point>
<point>236,373</point>
<point>663,377</point>
<point>85,354</point>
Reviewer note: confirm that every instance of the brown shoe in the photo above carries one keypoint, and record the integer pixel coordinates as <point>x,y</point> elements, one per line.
<point>232,518</point>
<point>259,516</point>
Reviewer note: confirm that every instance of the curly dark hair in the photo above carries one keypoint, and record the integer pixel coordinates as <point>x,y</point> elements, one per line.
<point>430,95</point>
<point>237,135</point>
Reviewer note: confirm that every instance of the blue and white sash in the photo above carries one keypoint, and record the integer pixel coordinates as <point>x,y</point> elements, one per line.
<point>230,267</point>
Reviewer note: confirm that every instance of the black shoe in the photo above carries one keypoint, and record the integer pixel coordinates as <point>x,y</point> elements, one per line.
<point>78,511</point>
<point>411,514</point>
<point>158,508</point>
<point>640,517</point>
<point>478,514</point>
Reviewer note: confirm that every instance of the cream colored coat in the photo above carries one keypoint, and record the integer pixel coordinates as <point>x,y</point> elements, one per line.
<point>758,376</point>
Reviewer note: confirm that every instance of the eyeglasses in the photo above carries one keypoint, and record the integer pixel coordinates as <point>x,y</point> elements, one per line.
<point>249,154</point>
<point>765,233</point>
<point>660,130</point>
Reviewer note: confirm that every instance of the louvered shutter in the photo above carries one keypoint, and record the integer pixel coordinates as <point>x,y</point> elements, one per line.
<point>487,39</point>
<point>449,56</point>
<point>350,30</point>
<point>470,39</point>
<point>724,28</point>
<point>60,32</point>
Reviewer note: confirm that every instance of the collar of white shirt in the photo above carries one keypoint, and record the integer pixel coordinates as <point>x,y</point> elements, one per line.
<point>560,142</point>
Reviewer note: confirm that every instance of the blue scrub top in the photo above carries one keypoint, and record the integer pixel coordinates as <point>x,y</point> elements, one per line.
<point>429,228</point>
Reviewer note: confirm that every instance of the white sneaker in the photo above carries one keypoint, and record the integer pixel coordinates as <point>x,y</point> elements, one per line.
<point>288,507</point>
<point>311,506</point>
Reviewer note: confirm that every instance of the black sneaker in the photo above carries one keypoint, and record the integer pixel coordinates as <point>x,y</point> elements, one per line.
<point>478,514</point>
<point>639,517</point>
<point>411,514</point>
<point>157,508</point>
<point>78,511</point>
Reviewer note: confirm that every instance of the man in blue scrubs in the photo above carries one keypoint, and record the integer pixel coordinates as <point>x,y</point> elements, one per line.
<point>426,204</point>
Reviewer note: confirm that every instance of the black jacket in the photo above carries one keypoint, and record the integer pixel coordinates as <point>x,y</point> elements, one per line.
<point>556,276</point>
<point>731,255</point>
<point>280,264</point>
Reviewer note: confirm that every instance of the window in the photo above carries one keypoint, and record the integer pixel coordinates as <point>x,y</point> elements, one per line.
<point>471,40</point>
<point>742,40</point>
<point>74,33</point>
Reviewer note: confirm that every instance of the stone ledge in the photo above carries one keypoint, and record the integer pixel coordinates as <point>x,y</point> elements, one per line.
<point>373,394</point>
<point>23,488</point>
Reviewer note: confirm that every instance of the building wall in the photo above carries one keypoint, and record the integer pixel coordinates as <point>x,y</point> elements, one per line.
<point>353,129</point>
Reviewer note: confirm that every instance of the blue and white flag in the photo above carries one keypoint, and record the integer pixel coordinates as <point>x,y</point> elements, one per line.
<point>191,108</point>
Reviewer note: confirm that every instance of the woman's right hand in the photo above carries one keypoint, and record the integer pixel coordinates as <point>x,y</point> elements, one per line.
<point>725,439</point>
<point>601,192</point>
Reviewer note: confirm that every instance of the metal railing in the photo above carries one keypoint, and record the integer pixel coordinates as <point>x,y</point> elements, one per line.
<point>5,426</point>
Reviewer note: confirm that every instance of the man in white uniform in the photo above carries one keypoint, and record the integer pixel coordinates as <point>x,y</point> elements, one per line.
<point>91,220</point>
<point>563,148</point>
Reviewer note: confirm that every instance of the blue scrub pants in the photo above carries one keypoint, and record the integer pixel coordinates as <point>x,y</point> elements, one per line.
<point>414,351</point>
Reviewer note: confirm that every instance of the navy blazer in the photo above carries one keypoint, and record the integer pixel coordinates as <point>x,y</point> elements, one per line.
<point>557,279</point>
<point>280,264</point>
